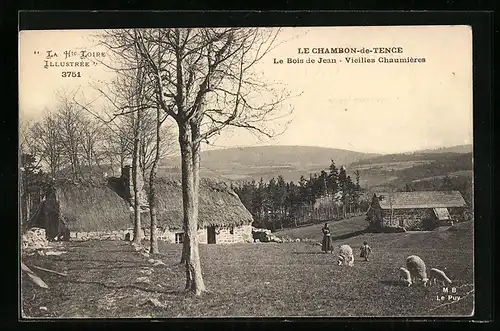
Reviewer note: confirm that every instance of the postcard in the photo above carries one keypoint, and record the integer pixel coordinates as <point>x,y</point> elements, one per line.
<point>246,172</point>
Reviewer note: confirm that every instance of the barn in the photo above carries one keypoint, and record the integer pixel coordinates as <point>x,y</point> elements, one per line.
<point>418,210</point>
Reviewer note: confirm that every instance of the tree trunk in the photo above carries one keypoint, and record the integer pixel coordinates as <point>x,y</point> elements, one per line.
<point>22,197</point>
<point>135,161</point>
<point>136,146</point>
<point>184,249</point>
<point>153,249</point>
<point>196,150</point>
<point>28,206</point>
<point>194,278</point>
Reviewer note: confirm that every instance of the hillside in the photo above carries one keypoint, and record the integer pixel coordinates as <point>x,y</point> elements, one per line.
<point>339,229</point>
<point>396,170</point>
<point>249,163</point>
<point>291,162</point>
<point>453,149</point>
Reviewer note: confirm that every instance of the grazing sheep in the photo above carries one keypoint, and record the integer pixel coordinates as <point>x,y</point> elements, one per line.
<point>416,266</point>
<point>438,275</point>
<point>346,256</point>
<point>405,276</point>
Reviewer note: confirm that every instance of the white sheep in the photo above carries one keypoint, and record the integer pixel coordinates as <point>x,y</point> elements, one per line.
<point>346,256</point>
<point>405,276</point>
<point>438,275</point>
<point>416,266</point>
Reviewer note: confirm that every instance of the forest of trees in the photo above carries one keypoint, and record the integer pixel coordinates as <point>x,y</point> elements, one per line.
<point>331,194</point>
<point>278,204</point>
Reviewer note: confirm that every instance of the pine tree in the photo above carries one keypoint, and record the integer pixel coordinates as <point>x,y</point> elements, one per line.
<point>352,194</point>
<point>281,197</point>
<point>343,187</point>
<point>258,200</point>
<point>357,174</point>
<point>323,183</point>
<point>333,178</point>
<point>272,200</point>
<point>293,198</point>
<point>303,190</point>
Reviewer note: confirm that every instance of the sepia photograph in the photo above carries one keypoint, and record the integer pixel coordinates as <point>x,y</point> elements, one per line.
<point>220,172</point>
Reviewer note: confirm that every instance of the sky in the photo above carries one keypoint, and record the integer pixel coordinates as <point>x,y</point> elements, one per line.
<point>365,107</point>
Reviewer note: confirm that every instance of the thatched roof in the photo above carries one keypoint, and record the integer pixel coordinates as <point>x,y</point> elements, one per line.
<point>218,204</point>
<point>420,199</point>
<point>103,206</point>
<point>92,207</point>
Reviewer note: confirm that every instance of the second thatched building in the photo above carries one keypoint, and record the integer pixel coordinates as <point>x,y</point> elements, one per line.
<point>222,218</point>
<point>419,210</point>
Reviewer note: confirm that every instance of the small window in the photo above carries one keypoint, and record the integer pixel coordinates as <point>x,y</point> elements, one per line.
<point>179,238</point>
<point>231,231</point>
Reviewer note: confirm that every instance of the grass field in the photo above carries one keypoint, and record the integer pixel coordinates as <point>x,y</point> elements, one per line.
<point>337,228</point>
<point>265,279</point>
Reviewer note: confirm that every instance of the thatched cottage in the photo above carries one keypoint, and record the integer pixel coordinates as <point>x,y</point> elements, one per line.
<point>104,211</point>
<point>421,210</point>
<point>222,218</point>
<point>83,211</point>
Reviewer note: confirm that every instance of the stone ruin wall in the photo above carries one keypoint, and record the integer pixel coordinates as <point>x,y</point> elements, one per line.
<point>240,234</point>
<point>410,219</point>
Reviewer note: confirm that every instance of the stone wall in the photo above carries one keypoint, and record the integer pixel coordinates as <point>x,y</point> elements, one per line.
<point>457,214</point>
<point>168,235</point>
<point>202,236</point>
<point>225,235</point>
<point>101,235</point>
<point>233,235</point>
<point>410,219</point>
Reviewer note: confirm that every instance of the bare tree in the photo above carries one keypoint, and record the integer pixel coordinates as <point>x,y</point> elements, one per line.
<point>205,82</point>
<point>149,144</point>
<point>118,145</point>
<point>138,94</point>
<point>46,143</point>
<point>92,145</point>
<point>25,138</point>
<point>161,149</point>
<point>123,125</point>
<point>69,118</point>
<point>127,97</point>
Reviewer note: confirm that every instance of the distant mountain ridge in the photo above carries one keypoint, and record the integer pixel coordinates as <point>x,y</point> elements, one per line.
<point>291,162</point>
<point>426,154</point>
<point>468,148</point>
<point>246,163</point>
<point>275,156</point>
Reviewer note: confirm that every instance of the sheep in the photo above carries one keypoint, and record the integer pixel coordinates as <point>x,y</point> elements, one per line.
<point>346,256</point>
<point>416,266</point>
<point>438,275</point>
<point>404,274</point>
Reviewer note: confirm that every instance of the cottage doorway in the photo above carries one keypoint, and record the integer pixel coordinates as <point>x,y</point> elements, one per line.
<point>211,235</point>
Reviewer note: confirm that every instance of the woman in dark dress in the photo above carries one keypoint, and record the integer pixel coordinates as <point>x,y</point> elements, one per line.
<point>327,240</point>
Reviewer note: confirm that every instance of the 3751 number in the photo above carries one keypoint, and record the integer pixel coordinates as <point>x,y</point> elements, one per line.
<point>68,74</point>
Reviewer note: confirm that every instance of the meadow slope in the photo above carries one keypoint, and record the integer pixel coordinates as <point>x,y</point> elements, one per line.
<point>266,279</point>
